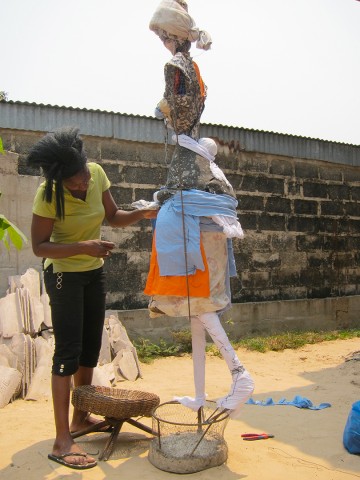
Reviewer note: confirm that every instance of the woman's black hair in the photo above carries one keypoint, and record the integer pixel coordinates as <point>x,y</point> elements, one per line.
<point>60,155</point>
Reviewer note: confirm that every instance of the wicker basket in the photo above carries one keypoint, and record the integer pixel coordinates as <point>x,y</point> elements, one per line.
<point>114,402</point>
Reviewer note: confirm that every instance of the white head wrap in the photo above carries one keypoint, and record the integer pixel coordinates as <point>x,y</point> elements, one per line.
<point>173,18</point>
<point>207,148</point>
<point>209,144</point>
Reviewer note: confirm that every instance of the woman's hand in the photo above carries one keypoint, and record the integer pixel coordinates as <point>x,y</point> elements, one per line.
<point>122,218</point>
<point>97,248</point>
<point>149,213</point>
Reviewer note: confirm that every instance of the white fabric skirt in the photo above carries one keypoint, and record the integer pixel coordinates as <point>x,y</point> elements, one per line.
<point>215,246</point>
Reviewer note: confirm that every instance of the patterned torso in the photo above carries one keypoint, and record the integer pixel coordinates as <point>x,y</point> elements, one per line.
<point>185,94</point>
<point>184,97</point>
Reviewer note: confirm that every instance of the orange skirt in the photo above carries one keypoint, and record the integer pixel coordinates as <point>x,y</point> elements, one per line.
<point>196,285</point>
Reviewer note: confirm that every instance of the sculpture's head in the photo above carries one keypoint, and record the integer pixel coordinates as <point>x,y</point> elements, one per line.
<point>176,28</point>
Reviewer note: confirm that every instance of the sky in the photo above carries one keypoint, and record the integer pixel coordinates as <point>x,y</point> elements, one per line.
<point>286,66</point>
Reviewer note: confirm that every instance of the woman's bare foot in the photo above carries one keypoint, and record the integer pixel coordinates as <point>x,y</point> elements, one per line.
<point>80,424</point>
<point>62,454</point>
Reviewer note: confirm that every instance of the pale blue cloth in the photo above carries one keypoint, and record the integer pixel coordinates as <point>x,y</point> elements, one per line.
<point>200,203</point>
<point>298,401</point>
<point>172,225</point>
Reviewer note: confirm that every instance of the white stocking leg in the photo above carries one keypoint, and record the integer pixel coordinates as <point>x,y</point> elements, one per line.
<point>198,355</point>
<point>242,385</point>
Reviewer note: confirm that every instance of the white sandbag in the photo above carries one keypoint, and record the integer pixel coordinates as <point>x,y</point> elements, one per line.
<point>21,309</point>
<point>40,386</point>
<point>14,282</point>
<point>31,281</point>
<point>46,332</point>
<point>23,347</point>
<point>119,339</point>
<point>105,351</point>
<point>120,342</point>
<point>136,358</point>
<point>10,379</point>
<point>25,295</point>
<point>7,356</point>
<point>4,362</point>
<point>10,316</point>
<point>104,375</point>
<point>44,298</point>
<point>44,350</point>
<point>115,363</point>
<point>30,363</point>
<point>36,315</point>
<point>128,366</point>
<point>125,366</point>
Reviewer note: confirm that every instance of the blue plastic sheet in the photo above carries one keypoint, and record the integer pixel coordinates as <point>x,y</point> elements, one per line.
<point>298,401</point>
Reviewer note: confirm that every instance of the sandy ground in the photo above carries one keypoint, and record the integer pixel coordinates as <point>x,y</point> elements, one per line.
<point>307,443</point>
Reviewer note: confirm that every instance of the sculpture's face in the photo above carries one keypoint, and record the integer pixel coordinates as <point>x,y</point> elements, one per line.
<point>170,45</point>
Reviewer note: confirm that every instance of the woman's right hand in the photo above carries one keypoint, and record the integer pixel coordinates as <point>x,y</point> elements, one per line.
<point>98,248</point>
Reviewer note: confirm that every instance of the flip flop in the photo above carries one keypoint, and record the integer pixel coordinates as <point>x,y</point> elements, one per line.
<point>61,459</point>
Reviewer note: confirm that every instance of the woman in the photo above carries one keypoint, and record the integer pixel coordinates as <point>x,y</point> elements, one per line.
<point>69,208</point>
<point>192,258</point>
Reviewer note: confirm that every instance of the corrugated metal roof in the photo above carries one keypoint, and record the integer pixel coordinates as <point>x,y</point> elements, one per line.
<point>137,128</point>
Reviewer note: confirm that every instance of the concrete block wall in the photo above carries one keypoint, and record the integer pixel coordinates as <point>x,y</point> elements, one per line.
<point>255,318</point>
<point>302,223</point>
<point>15,203</point>
<point>301,219</point>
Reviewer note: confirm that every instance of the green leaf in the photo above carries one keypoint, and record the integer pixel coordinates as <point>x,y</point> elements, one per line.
<point>4,223</point>
<point>6,243</point>
<point>17,238</point>
<point>1,146</point>
<point>9,231</point>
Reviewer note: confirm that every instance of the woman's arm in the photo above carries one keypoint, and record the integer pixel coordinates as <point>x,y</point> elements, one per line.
<point>41,230</point>
<point>122,218</point>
